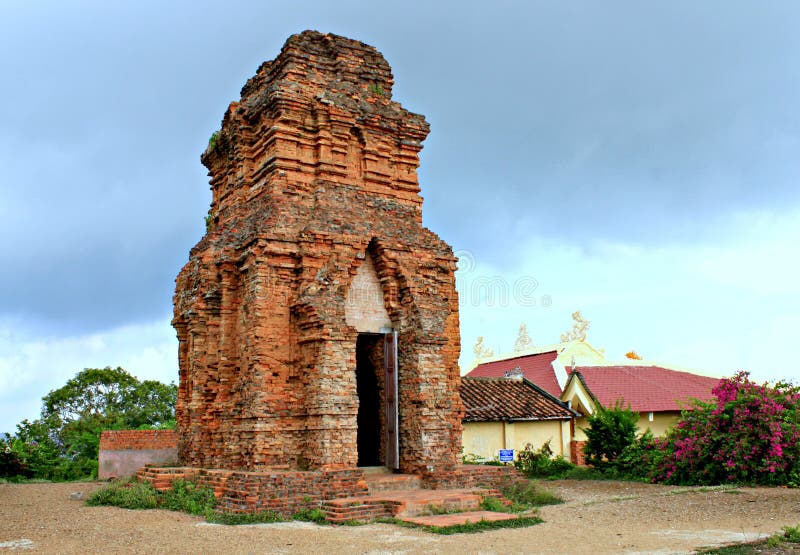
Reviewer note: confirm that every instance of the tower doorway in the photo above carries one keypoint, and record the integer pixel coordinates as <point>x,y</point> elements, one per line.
<point>371,399</point>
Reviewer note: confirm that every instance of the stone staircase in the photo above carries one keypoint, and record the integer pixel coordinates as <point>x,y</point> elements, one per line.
<point>401,496</point>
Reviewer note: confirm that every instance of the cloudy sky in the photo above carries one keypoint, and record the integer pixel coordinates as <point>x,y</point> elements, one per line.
<point>634,160</point>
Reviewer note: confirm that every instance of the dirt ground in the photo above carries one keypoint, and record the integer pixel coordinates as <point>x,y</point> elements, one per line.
<point>598,517</point>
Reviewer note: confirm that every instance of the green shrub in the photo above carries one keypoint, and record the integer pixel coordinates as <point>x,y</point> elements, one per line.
<point>185,496</point>
<point>212,140</point>
<point>189,497</point>
<point>541,463</point>
<point>11,464</point>
<point>128,494</point>
<point>376,90</point>
<point>525,495</point>
<point>750,434</point>
<point>640,460</point>
<point>310,515</point>
<point>493,504</point>
<point>611,431</point>
<point>791,534</point>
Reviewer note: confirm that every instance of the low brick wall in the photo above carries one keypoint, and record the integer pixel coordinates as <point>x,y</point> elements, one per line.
<point>123,452</point>
<point>287,491</point>
<point>474,476</point>
<point>281,491</point>
<point>576,452</point>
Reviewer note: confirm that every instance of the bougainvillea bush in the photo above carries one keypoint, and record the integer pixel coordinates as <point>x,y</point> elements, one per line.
<point>751,434</point>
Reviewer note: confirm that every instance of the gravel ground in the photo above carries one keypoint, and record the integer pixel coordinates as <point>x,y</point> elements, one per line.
<point>598,517</point>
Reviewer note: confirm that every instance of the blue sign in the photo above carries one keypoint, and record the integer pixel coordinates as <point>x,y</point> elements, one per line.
<point>506,455</point>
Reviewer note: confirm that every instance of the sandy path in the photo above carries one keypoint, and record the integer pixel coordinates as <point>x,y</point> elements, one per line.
<point>599,517</point>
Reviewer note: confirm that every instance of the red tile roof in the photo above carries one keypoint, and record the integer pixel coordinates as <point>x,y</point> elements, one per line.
<point>645,388</point>
<point>504,399</point>
<point>537,368</point>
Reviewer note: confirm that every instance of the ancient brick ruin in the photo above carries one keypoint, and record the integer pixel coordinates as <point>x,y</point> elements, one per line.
<point>318,318</point>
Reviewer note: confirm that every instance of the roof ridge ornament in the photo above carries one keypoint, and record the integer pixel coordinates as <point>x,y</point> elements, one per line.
<point>524,341</point>
<point>579,328</point>
<point>481,350</point>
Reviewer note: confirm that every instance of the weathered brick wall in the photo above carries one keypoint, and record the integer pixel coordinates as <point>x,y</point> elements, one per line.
<point>286,491</point>
<point>576,452</point>
<point>474,475</point>
<point>115,440</point>
<point>281,491</point>
<point>312,173</point>
<point>123,452</point>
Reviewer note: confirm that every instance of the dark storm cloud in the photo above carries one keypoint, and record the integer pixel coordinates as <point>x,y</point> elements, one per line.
<point>639,124</point>
<point>568,120</point>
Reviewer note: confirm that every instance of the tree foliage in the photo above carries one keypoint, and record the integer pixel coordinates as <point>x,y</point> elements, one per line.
<point>611,431</point>
<point>540,463</point>
<point>63,443</point>
<point>750,434</point>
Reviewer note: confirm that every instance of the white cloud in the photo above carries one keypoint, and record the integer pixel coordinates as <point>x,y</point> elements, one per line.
<point>718,306</point>
<point>31,366</point>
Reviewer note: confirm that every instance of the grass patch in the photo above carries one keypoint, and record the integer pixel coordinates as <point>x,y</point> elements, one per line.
<point>376,90</point>
<point>237,519</point>
<point>310,515</point>
<point>131,494</point>
<point>790,535</point>
<point>188,497</point>
<point>355,523</point>
<point>738,549</point>
<point>470,527</point>
<point>128,494</point>
<point>24,480</point>
<point>493,504</point>
<point>527,495</point>
<point>706,489</point>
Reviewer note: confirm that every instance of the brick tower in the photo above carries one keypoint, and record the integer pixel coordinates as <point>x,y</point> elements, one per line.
<point>318,318</point>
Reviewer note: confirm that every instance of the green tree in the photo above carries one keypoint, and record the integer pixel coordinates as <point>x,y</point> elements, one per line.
<point>63,443</point>
<point>611,431</point>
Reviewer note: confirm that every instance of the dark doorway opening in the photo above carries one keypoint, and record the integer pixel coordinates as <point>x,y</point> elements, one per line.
<point>369,386</point>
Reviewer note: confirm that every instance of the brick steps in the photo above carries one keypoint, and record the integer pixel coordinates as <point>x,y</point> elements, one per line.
<point>405,504</point>
<point>457,518</point>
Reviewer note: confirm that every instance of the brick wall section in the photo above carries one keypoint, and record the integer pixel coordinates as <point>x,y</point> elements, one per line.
<point>313,171</point>
<point>281,491</point>
<point>576,452</point>
<point>123,452</point>
<point>338,491</point>
<point>474,475</point>
<point>116,440</point>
